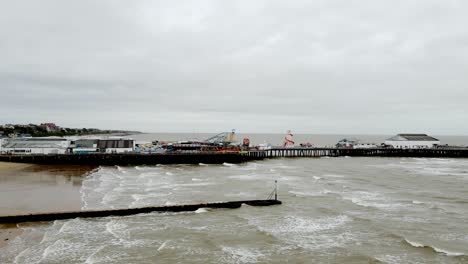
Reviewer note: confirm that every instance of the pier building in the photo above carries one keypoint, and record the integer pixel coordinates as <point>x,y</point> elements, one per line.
<point>412,141</point>
<point>46,145</point>
<point>347,143</point>
<point>116,145</point>
<point>81,146</point>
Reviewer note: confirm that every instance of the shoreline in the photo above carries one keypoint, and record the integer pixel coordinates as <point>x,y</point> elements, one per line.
<point>8,232</point>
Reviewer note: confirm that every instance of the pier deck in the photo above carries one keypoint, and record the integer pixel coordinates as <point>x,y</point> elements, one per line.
<point>371,152</point>
<point>99,159</point>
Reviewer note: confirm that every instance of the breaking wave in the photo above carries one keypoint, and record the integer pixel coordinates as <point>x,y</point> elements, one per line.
<point>434,249</point>
<point>202,210</point>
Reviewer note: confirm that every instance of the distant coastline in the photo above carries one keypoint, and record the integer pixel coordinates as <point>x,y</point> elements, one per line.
<point>50,129</point>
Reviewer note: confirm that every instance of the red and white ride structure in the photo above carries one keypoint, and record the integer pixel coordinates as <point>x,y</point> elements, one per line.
<point>288,140</point>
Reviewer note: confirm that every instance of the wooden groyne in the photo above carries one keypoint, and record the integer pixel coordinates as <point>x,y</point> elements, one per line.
<point>130,158</point>
<point>132,211</point>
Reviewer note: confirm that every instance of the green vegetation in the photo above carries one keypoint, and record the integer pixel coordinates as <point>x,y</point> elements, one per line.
<point>44,131</point>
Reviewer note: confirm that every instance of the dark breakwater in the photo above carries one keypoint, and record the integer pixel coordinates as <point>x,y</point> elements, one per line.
<point>131,211</point>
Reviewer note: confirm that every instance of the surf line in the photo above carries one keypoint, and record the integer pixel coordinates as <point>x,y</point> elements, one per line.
<point>132,211</point>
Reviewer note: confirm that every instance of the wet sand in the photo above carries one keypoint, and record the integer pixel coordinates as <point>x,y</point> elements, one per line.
<point>6,167</point>
<point>8,233</point>
<point>28,188</point>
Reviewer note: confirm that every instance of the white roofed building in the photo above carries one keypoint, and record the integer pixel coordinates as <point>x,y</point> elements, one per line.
<point>412,141</point>
<point>39,145</point>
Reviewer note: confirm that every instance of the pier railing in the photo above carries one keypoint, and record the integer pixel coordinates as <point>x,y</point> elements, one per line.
<point>230,157</point>
<point>371,152</point>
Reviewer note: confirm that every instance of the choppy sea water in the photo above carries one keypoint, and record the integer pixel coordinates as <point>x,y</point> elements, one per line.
<point>335,210</point>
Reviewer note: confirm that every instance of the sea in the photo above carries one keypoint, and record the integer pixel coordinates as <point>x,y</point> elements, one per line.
<point>335,210</point>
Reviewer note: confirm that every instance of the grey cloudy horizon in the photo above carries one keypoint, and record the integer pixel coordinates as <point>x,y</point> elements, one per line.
<point>340,67</point>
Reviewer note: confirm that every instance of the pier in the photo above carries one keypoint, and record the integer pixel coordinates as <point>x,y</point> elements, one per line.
<point>132,211</point>
<point>295,152</point>
<point>125,159</point>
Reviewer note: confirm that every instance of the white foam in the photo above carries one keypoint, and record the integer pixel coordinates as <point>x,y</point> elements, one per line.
<point>243,255</point>
<point>317,178</point>
<point>285,167</point>
<point>169,173</point>
<point>121,169</point>
<point>242,177</point>
<point>417,202</point>
<point>300,224</point>
<point>228,164</point>
<point>436,249</point>
<point>202,210</point>
<point>241,194</point>
<point>163,245</point>
<point>448,253</point>
<point>311,194</point>
<point>149,174</point>
<point>334,175</point>
<point>116,229</point>
<point>194,184</point>
<point>196,179</point>
<point>414,244</point>
<point>372,199</point>
<point>90,258</point>
<point>138,197</point>
<point>390,259</point>
<point>202,164</point>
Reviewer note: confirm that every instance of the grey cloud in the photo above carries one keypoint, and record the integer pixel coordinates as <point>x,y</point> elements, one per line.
<point>260,66</point>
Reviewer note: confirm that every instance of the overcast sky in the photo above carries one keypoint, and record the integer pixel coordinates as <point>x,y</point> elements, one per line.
<point>373,67</point>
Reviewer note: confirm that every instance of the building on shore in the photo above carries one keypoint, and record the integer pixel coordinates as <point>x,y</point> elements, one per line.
<point>50,127</point>
<point>412,141</point>
<point>41,145</point>
<point>84,146</point>
<point>59,145</point>
<point>116,145</point>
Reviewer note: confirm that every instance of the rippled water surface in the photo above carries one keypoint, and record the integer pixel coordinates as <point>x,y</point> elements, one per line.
<point>335,210</point>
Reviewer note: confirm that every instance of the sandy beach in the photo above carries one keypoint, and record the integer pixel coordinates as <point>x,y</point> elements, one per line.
<point>8,167</point>
<point>28,188</point>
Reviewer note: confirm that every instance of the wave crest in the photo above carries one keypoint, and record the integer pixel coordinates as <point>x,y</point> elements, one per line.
<point>434,249</point>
